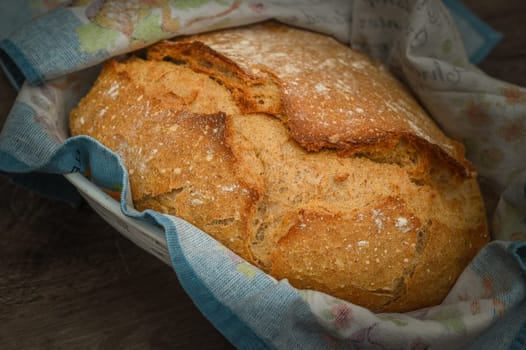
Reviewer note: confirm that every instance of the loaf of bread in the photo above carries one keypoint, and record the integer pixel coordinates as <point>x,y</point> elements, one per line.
<point>298,153</point>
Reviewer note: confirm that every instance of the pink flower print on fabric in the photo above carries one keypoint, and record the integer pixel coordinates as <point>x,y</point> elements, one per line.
<point>514,95</point>
<point>343,315</point>
<point>513,131</point>
<point>477,114</point>
<point>475,307</point>
<point>363,335</point>
<point>258,8</point>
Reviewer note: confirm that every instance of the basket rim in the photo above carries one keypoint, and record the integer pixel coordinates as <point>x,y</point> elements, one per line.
<point>146,235</point>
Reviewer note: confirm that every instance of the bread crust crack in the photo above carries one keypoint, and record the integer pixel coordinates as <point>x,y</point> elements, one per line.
<point>299,154</point>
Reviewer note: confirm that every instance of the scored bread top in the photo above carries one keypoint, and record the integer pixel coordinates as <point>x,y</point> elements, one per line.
<point>298,163</point>
<point>333,96</point>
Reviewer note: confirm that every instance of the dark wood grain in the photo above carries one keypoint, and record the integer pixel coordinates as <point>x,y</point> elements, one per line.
<point>70,281</point>
<point>508,60</point>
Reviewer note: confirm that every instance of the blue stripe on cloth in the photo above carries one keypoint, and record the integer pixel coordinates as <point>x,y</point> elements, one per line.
<point>49,47</point>
<point>23,63</point>
<point>478,37</point>
<point>518,251</point>
<point>22,139</point>
<point>252,312</point>
<point>258,314</point>
<point>75,155</point>
<point>10,164</point>
<point>222,317</point>
<point>15,76</point>
<point>54,186</point>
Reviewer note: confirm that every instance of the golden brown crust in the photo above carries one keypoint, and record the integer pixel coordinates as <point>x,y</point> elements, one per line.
<point>253,94</point>
<point>333,96</point>
<point>300,155</point>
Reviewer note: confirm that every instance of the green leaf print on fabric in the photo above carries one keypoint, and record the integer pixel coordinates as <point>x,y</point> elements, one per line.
<point>247,270</point>
<point>241,265</point>
<point>148,28</point>
<point>192,4</point>
<point>303,294</point>
<point>446,46</point>
<point>327,314</point>
<point>93,38</point>
<point>450,318</point>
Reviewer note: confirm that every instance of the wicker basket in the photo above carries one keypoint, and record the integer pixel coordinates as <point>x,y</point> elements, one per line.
<point>149,237</point>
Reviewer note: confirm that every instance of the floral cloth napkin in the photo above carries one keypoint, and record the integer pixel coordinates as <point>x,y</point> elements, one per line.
<point>54,57</point>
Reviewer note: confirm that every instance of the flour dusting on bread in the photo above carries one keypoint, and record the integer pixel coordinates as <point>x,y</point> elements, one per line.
<point>299,154</point>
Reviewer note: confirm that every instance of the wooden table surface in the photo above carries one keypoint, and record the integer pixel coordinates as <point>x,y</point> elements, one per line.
<point>68,280</point>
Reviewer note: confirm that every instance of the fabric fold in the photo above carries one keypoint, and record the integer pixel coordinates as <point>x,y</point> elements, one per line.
<point>419,40</point>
